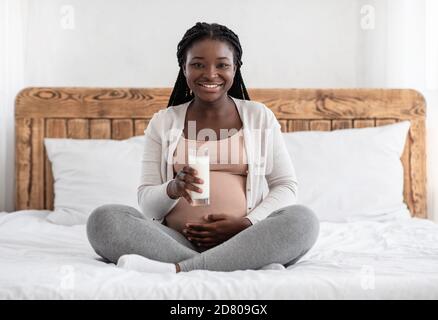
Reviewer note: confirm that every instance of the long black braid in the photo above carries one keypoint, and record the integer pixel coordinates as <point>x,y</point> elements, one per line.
<point>181,92</point>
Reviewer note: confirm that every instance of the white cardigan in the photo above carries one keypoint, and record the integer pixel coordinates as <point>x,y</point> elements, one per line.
<point>271,182</point>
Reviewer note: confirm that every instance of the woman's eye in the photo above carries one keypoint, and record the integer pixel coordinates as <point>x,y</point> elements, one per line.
<point>199,65</point>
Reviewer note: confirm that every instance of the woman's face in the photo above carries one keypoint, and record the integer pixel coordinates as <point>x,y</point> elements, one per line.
<point>209,69</point>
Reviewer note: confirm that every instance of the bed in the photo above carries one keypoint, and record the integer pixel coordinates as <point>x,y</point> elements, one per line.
<point>394,259</point>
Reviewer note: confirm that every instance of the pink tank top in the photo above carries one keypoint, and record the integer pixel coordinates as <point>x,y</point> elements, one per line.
<point>228,172</point>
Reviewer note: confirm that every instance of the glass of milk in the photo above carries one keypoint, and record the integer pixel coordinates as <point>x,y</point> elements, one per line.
<point>199,159</point>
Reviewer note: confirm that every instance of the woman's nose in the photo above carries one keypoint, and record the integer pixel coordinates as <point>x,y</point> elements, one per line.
<point>211,72</point>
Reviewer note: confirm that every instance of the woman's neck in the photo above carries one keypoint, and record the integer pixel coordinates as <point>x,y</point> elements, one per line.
<point>212,108</point>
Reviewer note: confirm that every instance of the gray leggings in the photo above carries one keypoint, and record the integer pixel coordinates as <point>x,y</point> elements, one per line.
<point>283,237</point>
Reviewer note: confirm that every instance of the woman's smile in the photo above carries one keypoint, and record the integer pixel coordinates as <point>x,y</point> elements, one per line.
<point>210,87</point>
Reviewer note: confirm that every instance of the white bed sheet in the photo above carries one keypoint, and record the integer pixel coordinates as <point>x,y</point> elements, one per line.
<point>356,260</point>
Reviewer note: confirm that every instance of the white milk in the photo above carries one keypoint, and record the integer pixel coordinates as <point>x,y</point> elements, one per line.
<point>201,163</point>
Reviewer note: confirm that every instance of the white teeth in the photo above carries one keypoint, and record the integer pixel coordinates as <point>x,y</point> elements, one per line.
<point>210,85</point>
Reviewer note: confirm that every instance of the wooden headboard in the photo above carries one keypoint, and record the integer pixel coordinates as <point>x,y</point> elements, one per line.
<point>119,113</point>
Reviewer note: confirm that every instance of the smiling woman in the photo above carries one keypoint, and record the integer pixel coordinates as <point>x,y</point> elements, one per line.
<point>211,50</point>
<point>208,75</point>
<point>241,227</point>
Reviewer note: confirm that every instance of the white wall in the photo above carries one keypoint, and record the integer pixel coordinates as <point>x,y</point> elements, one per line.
<point>286,43</point>
<point>133,43</point>
<point>12,50</point>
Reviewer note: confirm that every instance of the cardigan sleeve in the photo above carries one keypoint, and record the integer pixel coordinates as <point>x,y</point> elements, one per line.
<point>281,178</point>
<point>152,196</point>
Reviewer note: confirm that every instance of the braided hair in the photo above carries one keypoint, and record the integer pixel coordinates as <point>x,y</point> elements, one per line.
<point>181,92</point>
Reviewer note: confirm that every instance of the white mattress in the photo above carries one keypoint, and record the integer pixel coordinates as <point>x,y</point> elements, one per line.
<point>361,260</point>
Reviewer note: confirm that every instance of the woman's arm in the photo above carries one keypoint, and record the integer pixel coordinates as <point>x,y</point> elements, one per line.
<point>153,199</point>
<point>281,178</point>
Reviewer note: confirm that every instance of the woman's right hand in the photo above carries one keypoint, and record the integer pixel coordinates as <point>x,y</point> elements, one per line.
<point>180,186</point>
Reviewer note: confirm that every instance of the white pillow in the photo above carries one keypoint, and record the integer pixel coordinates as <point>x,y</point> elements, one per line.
<point>350,174</point>
<point>91,172</point>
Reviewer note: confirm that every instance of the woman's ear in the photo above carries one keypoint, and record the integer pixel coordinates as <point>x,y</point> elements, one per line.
<point>184,70</point>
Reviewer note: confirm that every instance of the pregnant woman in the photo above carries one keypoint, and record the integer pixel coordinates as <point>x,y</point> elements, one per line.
<point>252,219</point>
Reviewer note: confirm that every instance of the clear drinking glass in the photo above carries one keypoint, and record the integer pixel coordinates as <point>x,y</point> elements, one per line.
<point>199,159</point>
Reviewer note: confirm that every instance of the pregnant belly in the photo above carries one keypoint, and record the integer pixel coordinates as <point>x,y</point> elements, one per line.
<point>227,195</point>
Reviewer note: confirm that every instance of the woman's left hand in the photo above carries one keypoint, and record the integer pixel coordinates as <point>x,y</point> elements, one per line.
<point>218,228</point>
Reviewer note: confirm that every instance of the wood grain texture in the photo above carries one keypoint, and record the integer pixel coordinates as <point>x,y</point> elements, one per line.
<point>101,103</point>
<point>384,122</point>
<point>363,123</point>
<point>30,163</point>
<point>320,125</point>
<point>78,129</point>
<point>100,129</point>
<point>341,124</point>
<point>119,113</point>
<point>37,182</point>
<point>122,129</point>
<point>23,162</point>
<point>140,126</point>
<point>342,103</point>
<point>418,167</point>
<point>298,125</point>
